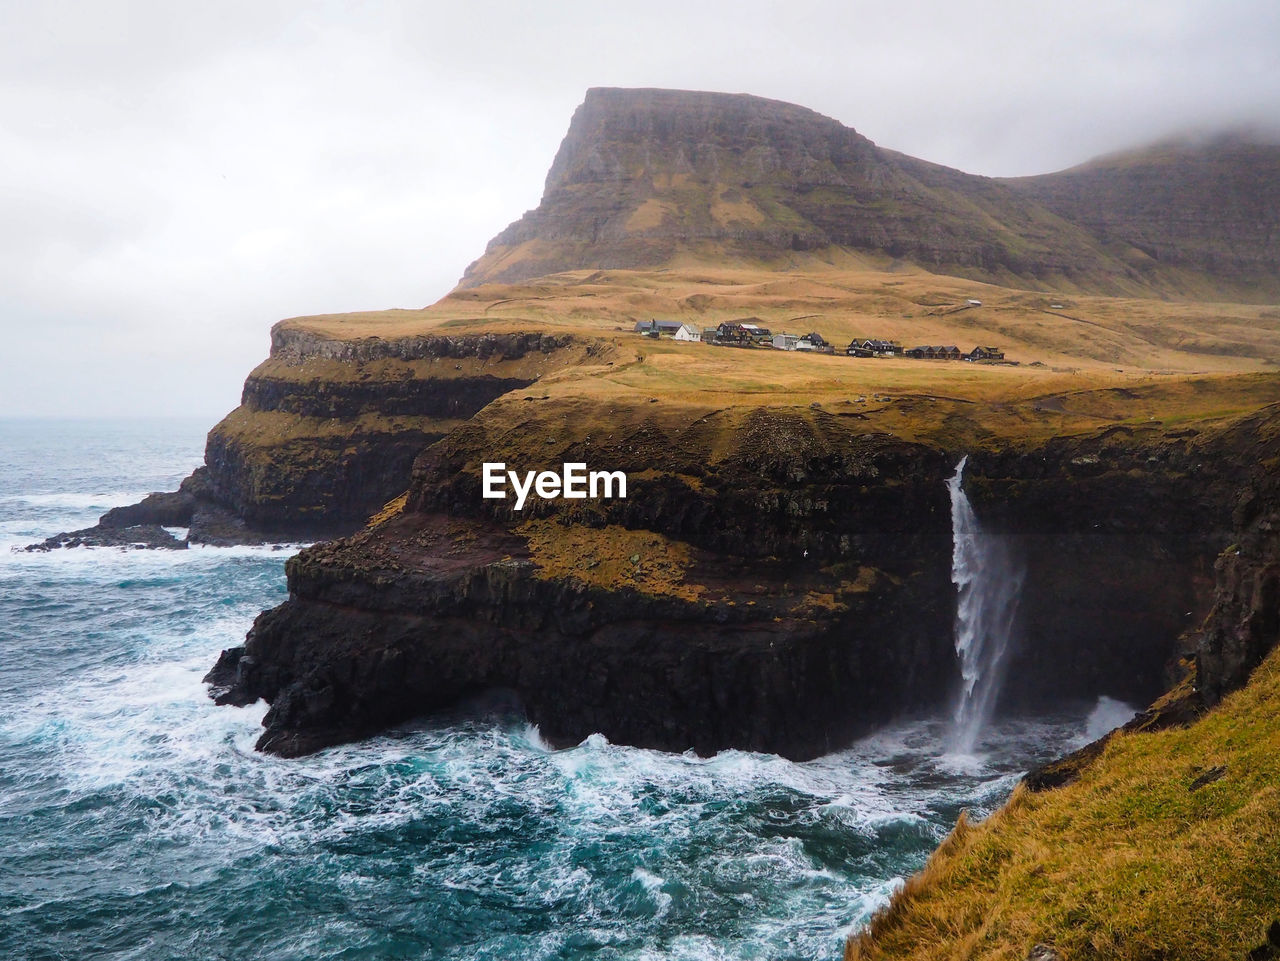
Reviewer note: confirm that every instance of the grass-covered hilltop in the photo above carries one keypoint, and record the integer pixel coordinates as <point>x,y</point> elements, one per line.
<point>778,576</point>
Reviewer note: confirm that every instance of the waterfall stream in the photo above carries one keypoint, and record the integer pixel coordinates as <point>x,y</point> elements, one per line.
<point>988,582</point>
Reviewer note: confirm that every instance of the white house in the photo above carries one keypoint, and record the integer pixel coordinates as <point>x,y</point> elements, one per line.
<point>685,332</point>
<point>785,341</point>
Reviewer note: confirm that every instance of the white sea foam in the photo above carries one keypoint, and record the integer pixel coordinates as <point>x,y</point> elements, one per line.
<point>74,501</point>
<point>1107,715</point>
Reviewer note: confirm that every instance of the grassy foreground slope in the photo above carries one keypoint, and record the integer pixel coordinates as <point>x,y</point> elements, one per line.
<point>1168,846</point>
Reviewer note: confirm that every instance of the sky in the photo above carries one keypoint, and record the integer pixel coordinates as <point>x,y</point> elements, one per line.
<point>176,177</point>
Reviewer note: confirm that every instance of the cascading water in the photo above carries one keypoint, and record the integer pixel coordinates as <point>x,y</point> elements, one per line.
<point>988,583</point>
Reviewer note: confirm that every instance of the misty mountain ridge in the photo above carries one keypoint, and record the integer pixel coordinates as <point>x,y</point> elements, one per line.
<point>647,177</point>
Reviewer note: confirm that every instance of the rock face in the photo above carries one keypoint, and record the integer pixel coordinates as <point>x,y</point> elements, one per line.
<point>810,598</point>
<point>645,175</point>
<point>758,646</point>
<point>1244,625</point>
<point>327,432</point>
<point>1199,205</point>
<point>133,536</point>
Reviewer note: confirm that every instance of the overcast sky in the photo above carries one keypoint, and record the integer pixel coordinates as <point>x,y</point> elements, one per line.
<point>175,177</point>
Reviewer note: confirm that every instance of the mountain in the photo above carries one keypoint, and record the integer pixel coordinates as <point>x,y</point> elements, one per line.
<point>1210,205</point>
<point>646,178</point>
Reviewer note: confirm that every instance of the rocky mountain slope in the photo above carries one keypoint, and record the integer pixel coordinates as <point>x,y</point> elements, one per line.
<point>644,177</point>
<point>1199,205</point>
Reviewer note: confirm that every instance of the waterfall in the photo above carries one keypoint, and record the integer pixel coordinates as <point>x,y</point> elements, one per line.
<point>987,587</point>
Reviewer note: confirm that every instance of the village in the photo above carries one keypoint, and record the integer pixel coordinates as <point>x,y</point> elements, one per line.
<point>750,335</point>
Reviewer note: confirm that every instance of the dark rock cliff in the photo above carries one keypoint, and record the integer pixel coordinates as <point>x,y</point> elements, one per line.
<point>821,562</point>
<point>327,431</point>
<point>804,628</point>
<point>1244,625</point>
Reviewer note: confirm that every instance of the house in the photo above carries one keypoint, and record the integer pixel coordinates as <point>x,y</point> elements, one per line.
<point>658,328</point>
<point>935,353</point>
<point>731,332</point>
<point>985,353</point>
<point>815,342</point>
<point>758,334</point>
<point>688,333</point>
<point>785,341</point>
<point>873,348</point>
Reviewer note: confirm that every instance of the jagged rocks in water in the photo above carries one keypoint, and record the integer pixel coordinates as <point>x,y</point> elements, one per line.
<point>139,536</point>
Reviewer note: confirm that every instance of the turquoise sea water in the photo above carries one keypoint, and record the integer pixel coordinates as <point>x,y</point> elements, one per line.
<point>136,821</point>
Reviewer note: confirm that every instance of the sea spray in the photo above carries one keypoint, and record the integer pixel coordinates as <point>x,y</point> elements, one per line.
<point>988,583</point>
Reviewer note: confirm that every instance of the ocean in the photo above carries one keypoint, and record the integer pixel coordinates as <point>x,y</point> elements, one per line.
<point>137,822</point>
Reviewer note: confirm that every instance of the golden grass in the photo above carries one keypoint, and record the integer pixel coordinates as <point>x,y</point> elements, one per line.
<point>611,557</point>
<point>391,510</point>
<point>848,298</point>
<point>1090,361</point>
<point>1129,862</point>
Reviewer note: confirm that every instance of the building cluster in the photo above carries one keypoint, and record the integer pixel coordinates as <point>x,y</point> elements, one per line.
<point>745,334</point>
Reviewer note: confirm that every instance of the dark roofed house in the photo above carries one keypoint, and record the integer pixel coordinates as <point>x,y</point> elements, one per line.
<point>935,353</point>
<point>731,332</point>
<point>985,353</point>
<point>873,348</point>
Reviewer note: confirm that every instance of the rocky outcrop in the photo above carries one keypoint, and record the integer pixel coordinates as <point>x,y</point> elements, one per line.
<point>799,618</point>
<point>328,429</point>
<point>813,596</point>
<point>362,645</point>
<point>1244,625</point>
<point>130,537</point>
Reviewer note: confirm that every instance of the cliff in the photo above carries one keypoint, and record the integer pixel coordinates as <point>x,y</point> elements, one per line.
<point>1207,205</point>
<point>649,177</point>
<point>328,428</point>
<point>644,176</point>
<point>777,579</point>
<point>1160,844</point>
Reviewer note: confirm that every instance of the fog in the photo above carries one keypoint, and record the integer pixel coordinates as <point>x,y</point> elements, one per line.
<point>174,178</point>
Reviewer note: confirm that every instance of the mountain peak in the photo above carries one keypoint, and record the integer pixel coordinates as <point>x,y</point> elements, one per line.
<point>647,175</point>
